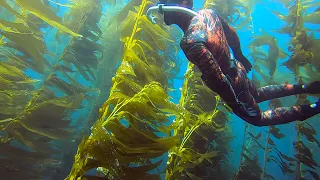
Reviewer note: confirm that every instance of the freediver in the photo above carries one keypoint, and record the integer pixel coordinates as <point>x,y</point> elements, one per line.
<point>206,41</point>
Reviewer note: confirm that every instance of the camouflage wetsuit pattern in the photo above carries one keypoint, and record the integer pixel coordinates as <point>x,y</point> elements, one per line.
<point>206,44</point>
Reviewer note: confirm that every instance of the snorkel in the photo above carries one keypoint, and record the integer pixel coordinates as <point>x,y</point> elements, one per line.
<point>161,8</point>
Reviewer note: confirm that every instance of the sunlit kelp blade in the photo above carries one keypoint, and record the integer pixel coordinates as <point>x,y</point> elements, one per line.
<point>12,73</point>
<point>204,126</point>
<point>312,18</point>
<point>54,126</point>
<point>14,27</point>
<point>84,53</point>
<point>236,12</point>
<point>36,114</point>
<point>5,5</point>
<point>136,110</point>
<point>16,90</point>
<point>42,11</point>
<point>55,109</point>
<point>70,88</point>
<point>128,144</point>
<point>22,41</point>
<point>302,62</point>
<point>133,125</point>
<point>13,78</point>
<point>21,62</point>
<point>265,61</point>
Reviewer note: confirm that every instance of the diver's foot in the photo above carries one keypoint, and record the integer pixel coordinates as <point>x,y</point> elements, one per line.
<point>316,104</point>
<point>312,88</point>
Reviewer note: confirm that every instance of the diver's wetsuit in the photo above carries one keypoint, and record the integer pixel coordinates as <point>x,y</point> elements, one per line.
<point>206,44</point>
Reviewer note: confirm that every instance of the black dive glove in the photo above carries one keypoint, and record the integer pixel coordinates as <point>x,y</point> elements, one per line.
<point>245,62</point>
<point>225,90</point>
<point>245,110</point>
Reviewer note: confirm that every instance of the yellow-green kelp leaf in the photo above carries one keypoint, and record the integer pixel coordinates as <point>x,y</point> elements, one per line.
<point>14,27</point>
<point>312,18</point>
<point>5,5</point>
<point>23,41</point>
<point>37,8</point>
<point>48,118</point>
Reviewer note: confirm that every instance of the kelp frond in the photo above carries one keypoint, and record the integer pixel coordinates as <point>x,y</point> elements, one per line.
<point>132,126</point>
<point>33,114</point>
<point>198,127</point>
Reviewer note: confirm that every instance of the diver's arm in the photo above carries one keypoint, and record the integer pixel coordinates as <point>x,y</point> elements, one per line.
<point>214,78</point>
<point>234,43</point>
<point>232,38</point>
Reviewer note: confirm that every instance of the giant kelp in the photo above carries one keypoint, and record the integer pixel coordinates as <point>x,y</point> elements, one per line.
<point>126,138</point>
<point>112,50</point>
<point>304,47</point>
<point>79,60</point>
<point>194,150</point>
<point>302,62</point>
<point>34,114</point>
<point>285,162</point>
<point>249,167</point>
<point>266,61</point>
<point>203,147</point>
<point>133,127</point>
<point>236,12</point>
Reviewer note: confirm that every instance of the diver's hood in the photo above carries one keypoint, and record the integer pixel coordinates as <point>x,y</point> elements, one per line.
<point>162,8</point>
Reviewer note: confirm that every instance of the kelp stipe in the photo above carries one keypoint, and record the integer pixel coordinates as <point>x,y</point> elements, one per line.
<point>266,60</point>
<point>125,139</point>
<point>236,12</point>
<point>35,115</point>
<point>203,131</point>
<point>262,61</point>
<point>305,52</point>
<point>304,47</point>
<point>269,61</point>
<point>249,167</point>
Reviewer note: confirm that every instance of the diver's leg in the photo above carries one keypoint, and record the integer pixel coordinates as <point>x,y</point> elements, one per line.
<point>277,116</point>
<point>277,91</point>
<point>248,95</point>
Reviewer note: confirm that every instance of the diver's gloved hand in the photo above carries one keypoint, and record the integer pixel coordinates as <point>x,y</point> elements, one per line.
<point>245,62</point>
<point>313,87</point>
<point>245,110</point>
<point>317,104</point>
<point>222,87</point>
<point>242,108</point>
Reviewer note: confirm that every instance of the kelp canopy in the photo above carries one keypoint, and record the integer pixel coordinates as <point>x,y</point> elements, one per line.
<point>89,91</point>
<point>39,89</point>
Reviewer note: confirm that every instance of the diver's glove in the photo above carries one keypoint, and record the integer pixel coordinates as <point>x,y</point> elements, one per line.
<point>318,103</point>
<point>244,61</point>
<point>312,88</point>
<point>225,90</point>
<point>242,108</point>
<point>222,87</point>
<point>245,110</point>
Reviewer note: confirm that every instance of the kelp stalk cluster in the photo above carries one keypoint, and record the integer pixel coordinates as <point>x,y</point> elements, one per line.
<point>125,139</point>
<point>302,62</point>
<point>202,130</point>
<point>37,112</point>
